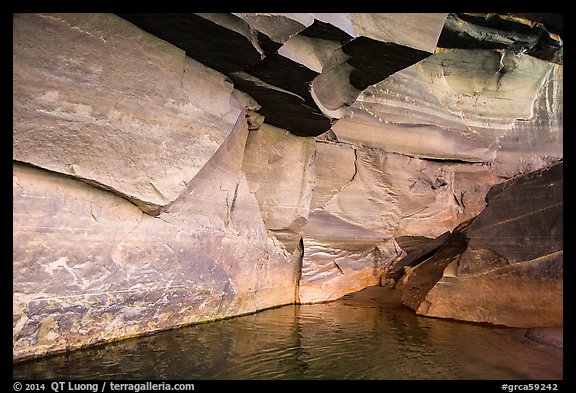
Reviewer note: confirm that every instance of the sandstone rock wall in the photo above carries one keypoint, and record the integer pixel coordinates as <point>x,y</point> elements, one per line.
<point>504,266</point>
<point>179,168</point>
<point>102,250</point>
<point>98,99</point>
<point>90,267</point>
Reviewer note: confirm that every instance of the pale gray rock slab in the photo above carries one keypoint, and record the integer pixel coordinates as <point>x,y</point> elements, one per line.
<point>279,27</point>
<point>448,109</point>
<point>340,257</point>
<point>111,123</point>
<point>207,256</point>
<point>415,30</point>
<point>280,171</point>
<point>335,168</point>
<point>115,106</point>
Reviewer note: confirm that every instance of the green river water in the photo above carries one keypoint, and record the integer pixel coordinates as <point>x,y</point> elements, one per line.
<point>366,335</point>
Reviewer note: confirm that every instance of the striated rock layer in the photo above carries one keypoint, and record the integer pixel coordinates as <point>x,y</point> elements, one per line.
<point>503,267</point>
<point>90,267</point>
<point>178,168</point>
<point>100,100</point>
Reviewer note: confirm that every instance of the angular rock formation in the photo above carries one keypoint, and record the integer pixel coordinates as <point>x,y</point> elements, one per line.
<point>503,267</point>
<point>100,100</point>
<point>348,238</point>
<point>386,44</point>
<point>310,65</point>
<point>280,170</point>
<point>206,257</point>
<point>177,168</point>
<point>538,35</point>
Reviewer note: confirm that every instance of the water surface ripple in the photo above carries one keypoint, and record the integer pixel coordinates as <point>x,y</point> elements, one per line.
<point>366,335</point>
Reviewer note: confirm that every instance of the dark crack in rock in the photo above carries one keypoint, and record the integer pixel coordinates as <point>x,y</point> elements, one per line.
<point>506,267</point>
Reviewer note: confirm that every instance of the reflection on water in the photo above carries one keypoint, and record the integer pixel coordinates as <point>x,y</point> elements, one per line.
<point>362,336</point>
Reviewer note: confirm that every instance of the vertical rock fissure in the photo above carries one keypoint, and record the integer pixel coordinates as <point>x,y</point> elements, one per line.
<point>349,181</point>
<point>298,275</point>
<point>232,213</point>
<point>338,267</point>
<point>378,258</point>
<point>189,207</point>
<point>355,167</point>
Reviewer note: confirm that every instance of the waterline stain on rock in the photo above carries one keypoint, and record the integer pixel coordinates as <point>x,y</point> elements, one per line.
<point>171,169</point>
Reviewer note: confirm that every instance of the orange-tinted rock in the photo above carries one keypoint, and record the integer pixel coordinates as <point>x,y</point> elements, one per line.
<point>98,99</point>
<point>143,206</point>
<point>509,266</point>
<point>89,267</point>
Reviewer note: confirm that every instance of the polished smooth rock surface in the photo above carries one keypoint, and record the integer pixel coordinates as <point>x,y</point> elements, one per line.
<point>178,168</point>
<point>503,267</point>
<point>98,99</point>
